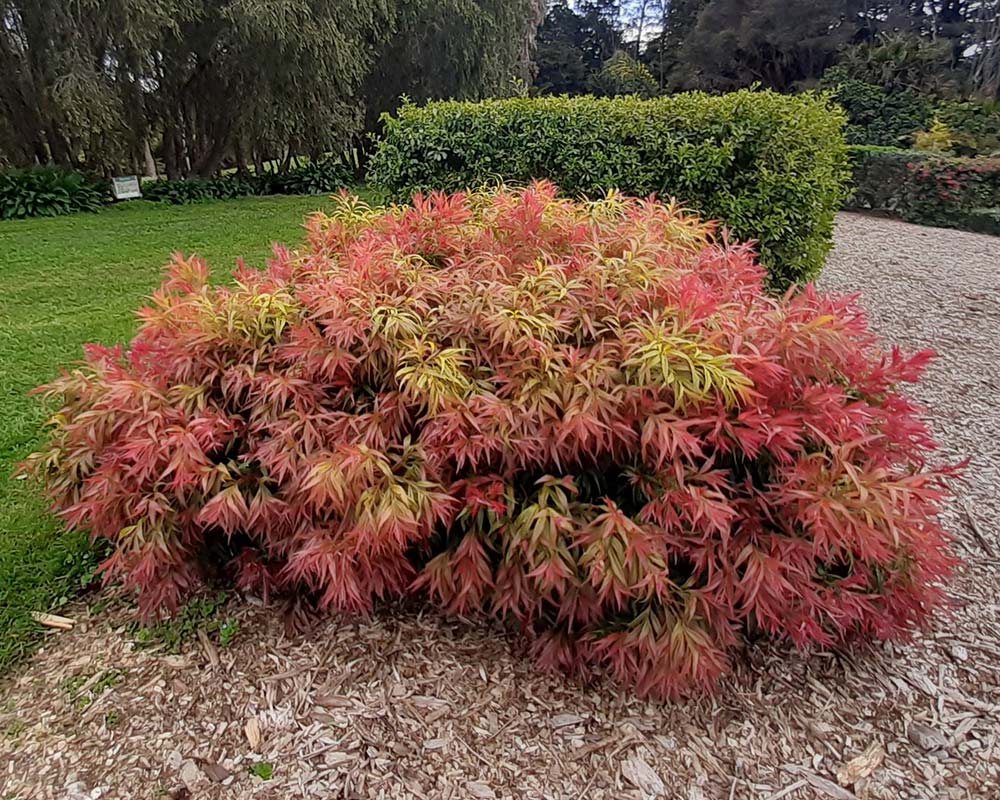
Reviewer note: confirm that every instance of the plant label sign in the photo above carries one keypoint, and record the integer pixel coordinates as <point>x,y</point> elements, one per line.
<point>126,187</point>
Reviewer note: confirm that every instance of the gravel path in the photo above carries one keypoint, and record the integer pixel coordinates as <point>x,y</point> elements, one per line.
<point>938,289</point>
<point>405,706</point>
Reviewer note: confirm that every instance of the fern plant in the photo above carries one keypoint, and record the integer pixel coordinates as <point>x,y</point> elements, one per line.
<point>585,418</point>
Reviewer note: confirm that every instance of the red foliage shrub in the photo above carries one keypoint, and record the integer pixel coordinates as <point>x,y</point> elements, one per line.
<point>587,418</point>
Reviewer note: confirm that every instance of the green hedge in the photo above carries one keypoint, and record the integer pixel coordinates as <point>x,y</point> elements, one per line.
<point>927,189</point>
<point>771,167</point>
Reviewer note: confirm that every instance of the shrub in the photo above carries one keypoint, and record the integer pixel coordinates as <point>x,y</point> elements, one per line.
<point>977,124</point>
<point>587,419</point>
<point>901,61</point>
<point>227,187</point>
<point>879,177</point>
<point>940,139</point>
<point>197,190</point>
<point>179,192</point>
<point>771,167</point>
<point>876,115</point>
<point>940,191</point>
<point>925,188</point>
<point>316,177</point>
<point>47,192</point>
<point>50,191</point>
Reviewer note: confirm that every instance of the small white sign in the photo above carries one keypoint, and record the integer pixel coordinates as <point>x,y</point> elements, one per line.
<point>126,187</point>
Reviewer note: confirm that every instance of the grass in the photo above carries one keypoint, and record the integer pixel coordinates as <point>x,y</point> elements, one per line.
<point>67,281</point>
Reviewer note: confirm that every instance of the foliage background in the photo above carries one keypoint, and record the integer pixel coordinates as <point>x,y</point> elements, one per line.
<point>771,167</point>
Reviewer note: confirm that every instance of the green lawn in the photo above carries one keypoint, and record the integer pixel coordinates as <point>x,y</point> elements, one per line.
<point>70,280</point>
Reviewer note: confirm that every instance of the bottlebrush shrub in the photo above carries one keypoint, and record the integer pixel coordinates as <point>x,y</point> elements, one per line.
<point>587,419</point>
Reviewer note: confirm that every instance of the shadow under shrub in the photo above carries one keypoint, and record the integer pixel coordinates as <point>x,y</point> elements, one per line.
<point>587,419</point>
<point>771,167</point>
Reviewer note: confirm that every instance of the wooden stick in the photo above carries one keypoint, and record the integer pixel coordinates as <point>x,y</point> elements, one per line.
<point>974,527</point>
<point>53,621</point>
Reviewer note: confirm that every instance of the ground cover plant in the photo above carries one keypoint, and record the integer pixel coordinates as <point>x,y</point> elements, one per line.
<point>48,192</point>
<point>771,167</point>
<point>53,191</point>
<point>588,419</point>
<point>66,281</point>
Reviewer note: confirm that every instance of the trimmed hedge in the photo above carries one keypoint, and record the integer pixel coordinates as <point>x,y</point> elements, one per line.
<point>771,167</point>
<point>928,189</point>
<point>48,191</point>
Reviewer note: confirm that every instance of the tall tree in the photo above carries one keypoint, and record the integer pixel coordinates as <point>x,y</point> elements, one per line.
<point>574,44</point>
<point>93,83</point>
<point>985,56</point>
<point>781,44</point>
<point>88,83</point>
<point>454,49</point>
<point>662,53</point>
<point>69,76</point>
<point>561,62</point>
<point>276,74</point>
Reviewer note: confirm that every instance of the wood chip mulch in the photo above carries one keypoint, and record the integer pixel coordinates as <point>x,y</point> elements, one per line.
<point>405,705</point>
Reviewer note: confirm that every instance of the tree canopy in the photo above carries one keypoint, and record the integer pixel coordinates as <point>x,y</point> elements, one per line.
<point>787,45</point>
<point>200,85</point>
<point>95,83</point>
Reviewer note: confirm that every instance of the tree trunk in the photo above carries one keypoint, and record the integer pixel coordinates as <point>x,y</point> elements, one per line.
<point>241,160</point>
<point>170,151</point>
<point>638,34</point>
<point>147,156</point>
<point>210,161</point>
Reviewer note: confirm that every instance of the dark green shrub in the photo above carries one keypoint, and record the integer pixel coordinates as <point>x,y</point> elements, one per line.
<point>314,178</point>
<point>981,220</point>
<point>317,177</point>
<point>226,187</point>
<point>47,192</point>
<point>931,190</point>
<point>876,115</point>
<point>880,176</point>
<point>196,190</point>
<point>976,123</point>
<point>771,167</point>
